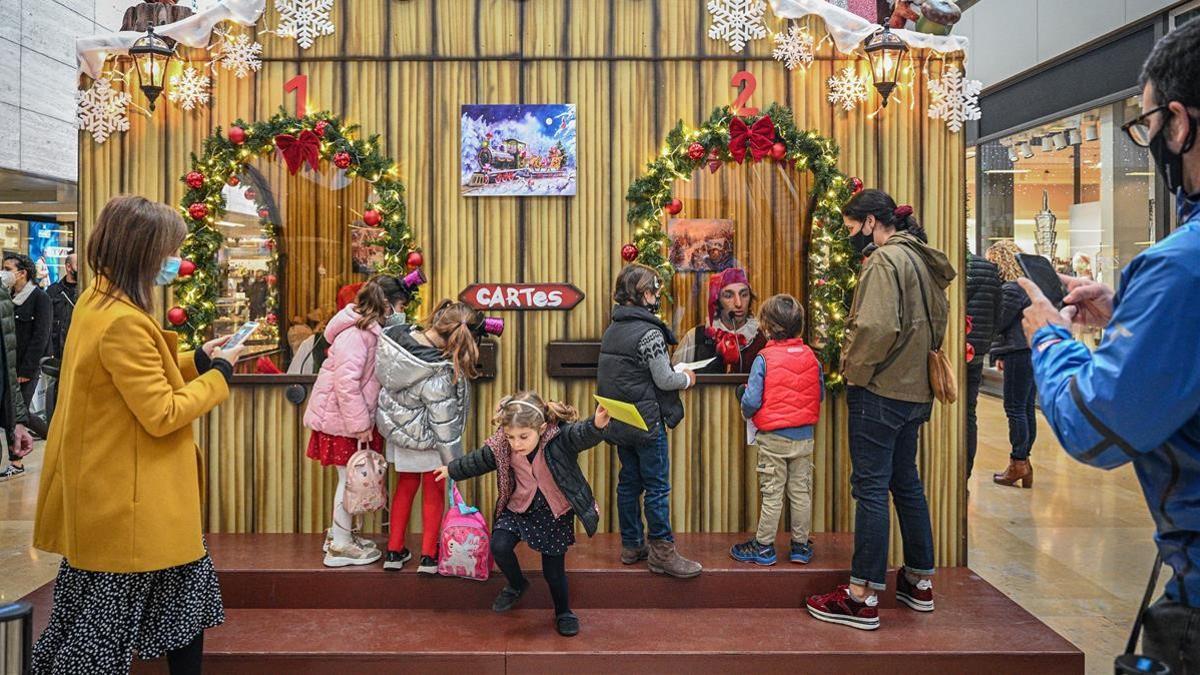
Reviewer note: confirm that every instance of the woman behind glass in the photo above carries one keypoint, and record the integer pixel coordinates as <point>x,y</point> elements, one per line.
<point>1012,355</point>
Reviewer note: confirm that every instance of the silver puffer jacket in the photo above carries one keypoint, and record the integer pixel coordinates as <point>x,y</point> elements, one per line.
<point>422,410</point>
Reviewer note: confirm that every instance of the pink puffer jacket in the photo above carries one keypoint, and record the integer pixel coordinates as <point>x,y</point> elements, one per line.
<point>346,393</point>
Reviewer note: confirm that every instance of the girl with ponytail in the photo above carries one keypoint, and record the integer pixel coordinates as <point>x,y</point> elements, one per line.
<point>424,371</point>
<point>535,454</point>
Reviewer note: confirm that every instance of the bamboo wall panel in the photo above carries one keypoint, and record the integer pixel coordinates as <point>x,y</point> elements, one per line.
<point>632,67</point>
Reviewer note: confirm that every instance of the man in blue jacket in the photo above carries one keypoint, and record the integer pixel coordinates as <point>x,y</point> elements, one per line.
<point>1137,397</point>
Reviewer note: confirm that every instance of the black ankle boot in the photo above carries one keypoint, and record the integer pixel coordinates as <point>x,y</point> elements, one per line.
<point>508,597</point>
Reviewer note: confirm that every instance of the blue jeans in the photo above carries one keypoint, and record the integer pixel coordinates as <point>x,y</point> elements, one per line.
<point>883,455</point>
<point>1020,402</point>
<point>644,469</point>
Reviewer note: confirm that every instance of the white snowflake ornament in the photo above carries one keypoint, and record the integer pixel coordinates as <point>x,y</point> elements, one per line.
<point>955,98</point>
<point>240,54</point>
<point>847,89</point>
<point>737,21</point>
<point>189,89</point>
<point>794,48</point>
<point>304,20</point>
<point>102,110</point>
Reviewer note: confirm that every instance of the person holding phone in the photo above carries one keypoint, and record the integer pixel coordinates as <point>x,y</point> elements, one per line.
<point>1010,353</point>
<point>120,493</point>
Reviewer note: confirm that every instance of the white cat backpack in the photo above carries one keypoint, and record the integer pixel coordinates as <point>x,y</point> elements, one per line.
<point>366,478</point>
<point>466,549</point>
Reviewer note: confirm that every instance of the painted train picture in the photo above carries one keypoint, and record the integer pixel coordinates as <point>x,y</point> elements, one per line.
<point>518,150</point>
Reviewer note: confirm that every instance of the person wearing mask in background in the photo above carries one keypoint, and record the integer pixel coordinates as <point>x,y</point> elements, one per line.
<point>120,493</point>
<point>13,411</point>
<point>899,315</point>
<point>1136,398</point>
<point>1011,354</point>
<point>35,319</point>
<point>62,298</point>
<point>983,313</point>
<point>731,335</point>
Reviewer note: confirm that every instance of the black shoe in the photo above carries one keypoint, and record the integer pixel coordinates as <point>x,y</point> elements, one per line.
<point>395,560</point>
<point>568,624</point>
<point>508,597</point>
<point>427,566</point>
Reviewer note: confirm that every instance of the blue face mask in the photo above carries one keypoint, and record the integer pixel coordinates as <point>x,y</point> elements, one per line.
<point>168,271</point>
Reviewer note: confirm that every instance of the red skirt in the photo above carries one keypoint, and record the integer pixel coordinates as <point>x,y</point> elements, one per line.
<point>336,450</point>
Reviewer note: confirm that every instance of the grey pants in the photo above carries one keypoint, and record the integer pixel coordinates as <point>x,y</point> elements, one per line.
<point>1171,634</point>
<point>784,467</point>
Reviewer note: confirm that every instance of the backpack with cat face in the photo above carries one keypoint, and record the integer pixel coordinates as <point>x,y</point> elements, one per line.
<point>366,478</point>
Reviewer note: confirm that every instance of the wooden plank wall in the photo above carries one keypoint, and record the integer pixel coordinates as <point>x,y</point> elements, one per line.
<point>633,67</point>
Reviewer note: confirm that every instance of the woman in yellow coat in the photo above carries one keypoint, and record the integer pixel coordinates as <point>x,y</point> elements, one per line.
<point>120,491</point>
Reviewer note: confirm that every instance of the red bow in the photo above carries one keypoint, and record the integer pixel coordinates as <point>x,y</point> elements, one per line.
<point>729,345</point>
<point>297,151</point>
<point>760,137</point>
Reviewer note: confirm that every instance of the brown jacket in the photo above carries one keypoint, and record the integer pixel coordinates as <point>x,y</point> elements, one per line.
<point>887,350</point>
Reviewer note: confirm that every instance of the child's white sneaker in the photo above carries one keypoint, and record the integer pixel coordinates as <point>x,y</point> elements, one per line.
<point>362,541</point>
<point>352,553</point>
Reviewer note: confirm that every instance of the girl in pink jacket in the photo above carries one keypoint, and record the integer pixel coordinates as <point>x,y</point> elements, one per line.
<point>341,410</point>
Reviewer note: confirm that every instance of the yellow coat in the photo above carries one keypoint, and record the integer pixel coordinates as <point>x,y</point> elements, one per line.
<point>121,485</point>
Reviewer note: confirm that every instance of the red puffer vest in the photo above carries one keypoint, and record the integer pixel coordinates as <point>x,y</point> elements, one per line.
<point>792,387</point>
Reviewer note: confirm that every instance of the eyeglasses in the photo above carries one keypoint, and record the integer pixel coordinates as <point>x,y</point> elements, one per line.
<point>1139,129</point>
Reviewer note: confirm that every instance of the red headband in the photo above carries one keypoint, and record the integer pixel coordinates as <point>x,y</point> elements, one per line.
<point>903,211</point>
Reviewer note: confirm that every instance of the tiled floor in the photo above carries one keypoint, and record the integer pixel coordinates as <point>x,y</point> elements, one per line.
<point>1075,550</point>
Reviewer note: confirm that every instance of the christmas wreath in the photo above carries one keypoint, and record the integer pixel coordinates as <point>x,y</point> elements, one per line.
<point>300,140</point>
<point>773,135</point>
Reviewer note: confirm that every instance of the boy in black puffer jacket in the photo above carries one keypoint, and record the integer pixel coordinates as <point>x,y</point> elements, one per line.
<point>983,311</point>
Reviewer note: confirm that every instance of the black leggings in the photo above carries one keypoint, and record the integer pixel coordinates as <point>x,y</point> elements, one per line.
<point>187,659</point>
<point>554,568</point>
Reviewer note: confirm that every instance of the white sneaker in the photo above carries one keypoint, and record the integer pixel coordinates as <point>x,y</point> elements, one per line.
<point>350,554</point>
<point>362,541</point>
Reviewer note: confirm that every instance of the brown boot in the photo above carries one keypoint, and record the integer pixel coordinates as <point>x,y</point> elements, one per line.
<point>664,559</point>
<point>1018,470</point>
<point>633,556</point>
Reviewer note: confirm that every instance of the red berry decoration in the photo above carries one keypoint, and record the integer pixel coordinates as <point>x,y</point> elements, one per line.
<point>270,244</point>
<point>195,180</point>
<point>372,217</point>
<point>234,181</point>
<point>271,279</point>
<point>186,268</point>
<point>629,253</point>
<point>177,316</point>
<point>696,152</point>
<point>264,214</point>
<point>237,135</point>
<point>778,151</point>
<point>320,127</point>
<point>415,259</point>
<point>272,319</point>
<point>198,211</point>
<point>342,160</point>
<point>856,185</point>
<point>673,207</point>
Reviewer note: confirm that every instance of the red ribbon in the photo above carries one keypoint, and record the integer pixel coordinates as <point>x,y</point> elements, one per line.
<point>728,345</point>
<point>759,136</point>
<point>297,151</point>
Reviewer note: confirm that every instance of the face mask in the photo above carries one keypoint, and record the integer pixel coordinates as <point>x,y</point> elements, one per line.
<point>1170,164</point>
<point>859,242</point>
<point>396,319</point>
<point>7,278</point>
<point>168,272</point>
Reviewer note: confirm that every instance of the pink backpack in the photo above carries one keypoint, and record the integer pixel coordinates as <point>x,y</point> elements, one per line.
<point>466,549</point>
<point>366,476</point>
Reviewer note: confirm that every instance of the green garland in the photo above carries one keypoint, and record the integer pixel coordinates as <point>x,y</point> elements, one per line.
<point>222,158</point>
<point>833,265</point>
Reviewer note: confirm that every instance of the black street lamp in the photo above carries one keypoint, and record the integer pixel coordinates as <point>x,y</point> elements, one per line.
<point>885,49</point>
<point>151,55</point>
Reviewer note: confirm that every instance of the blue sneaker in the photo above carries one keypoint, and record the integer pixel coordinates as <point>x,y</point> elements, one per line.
<point>753,552</point>
<point>801,553</point>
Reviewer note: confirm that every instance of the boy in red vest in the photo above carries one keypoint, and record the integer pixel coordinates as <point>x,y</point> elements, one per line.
<point>783,400</point>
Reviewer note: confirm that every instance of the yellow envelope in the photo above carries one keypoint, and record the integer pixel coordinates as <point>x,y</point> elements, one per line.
<point>623,412</point>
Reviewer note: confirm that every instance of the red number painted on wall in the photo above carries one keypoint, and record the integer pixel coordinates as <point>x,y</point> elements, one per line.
<point>744,95</point>
<point>298,84</point>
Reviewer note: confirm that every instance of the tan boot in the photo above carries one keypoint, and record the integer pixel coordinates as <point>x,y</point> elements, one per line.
<point>633,556</point>
<point>1018,470</point>
<point>664,559</point>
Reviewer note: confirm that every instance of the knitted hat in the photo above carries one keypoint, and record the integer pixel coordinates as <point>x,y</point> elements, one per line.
<point>717,283</point>
<point>347,294</point>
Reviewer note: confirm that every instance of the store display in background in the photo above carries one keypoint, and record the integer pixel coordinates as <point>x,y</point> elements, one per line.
<point>49,244</point>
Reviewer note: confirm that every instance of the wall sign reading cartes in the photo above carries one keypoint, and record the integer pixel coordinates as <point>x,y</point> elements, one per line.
<point>521,297</point>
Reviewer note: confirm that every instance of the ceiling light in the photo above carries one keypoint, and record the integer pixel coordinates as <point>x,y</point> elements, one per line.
<point>1074,137</point>
<point>1139,173</point>
<point>1026,150</point>
<point>991,171</point>
<point>1090,133</point>
<point>1012,154</point>
<point>1047,144</point>
<point>1060,140</point>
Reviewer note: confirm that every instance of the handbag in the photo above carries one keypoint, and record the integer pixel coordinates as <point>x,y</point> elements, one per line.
<point>942,379</point>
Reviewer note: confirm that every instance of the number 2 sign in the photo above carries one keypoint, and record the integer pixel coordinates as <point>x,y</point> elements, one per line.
<point>744,95</point>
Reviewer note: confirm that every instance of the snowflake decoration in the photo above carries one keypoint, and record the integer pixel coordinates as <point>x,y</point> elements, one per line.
<point>955,99</point>
<point>102,110</point>
<point>795,47</point>
<point>304,20</point>
<point>844,4</point>
<point>240,54</point>
<point>189,89</point>
<point>847,89</point>
<point>737,21</point>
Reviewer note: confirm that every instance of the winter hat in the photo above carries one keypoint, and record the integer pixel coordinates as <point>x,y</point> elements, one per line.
<point>347,294</point>
<point>717,283</point>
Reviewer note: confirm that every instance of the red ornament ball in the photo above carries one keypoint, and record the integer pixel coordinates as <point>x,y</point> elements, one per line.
<point>272,319</point>
<point>415,259</point>
<point>673,207</point>
<point>342,160</point>
<point>177,316</point>
<point>234,181</point>
<point>372,217</point>
<point>270,244</point>
<point>271,279</point>
<point>821,282</point>
<point>237,135</point>
<point>186,268</point>
<point>696,152</point>
<point>251,193</point>
<point>320,127</point>
<point>778,151</point>
<point>195,180</point>
<point>856,185</point>
<point>198,211</point>
<point>629,252</point>
<point>264,214</point>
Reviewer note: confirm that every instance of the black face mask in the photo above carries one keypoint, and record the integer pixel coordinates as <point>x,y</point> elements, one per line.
<point>655,307</point>
<point>859,242</point>
<point>1170,164</point>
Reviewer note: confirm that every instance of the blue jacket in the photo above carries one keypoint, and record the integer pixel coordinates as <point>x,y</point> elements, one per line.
<point>1137,397</point>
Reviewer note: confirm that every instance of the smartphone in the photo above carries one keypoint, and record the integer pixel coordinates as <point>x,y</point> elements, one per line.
<point>1039,270</point>
<point>241,335</point>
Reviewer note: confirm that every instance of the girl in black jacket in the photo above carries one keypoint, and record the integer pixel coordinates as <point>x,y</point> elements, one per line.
<point>534,453</point>
<point>1011,352</point>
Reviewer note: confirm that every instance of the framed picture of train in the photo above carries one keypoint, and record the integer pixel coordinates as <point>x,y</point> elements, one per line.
<point>518,150</point>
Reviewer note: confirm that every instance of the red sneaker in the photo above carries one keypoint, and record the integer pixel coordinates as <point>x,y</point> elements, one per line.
<point>840,607</point>
<point>918,596</point>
